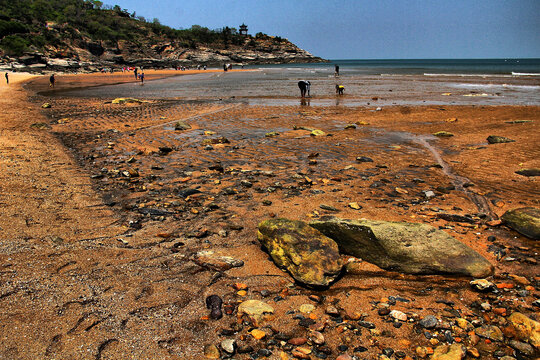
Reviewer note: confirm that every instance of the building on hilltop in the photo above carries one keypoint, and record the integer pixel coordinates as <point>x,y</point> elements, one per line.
<point>243,29</point>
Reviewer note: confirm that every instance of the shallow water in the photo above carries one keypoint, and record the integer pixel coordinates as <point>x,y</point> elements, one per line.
<point>278,86</point>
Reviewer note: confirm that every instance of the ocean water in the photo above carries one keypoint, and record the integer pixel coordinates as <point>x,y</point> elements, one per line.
<point>367,83</point>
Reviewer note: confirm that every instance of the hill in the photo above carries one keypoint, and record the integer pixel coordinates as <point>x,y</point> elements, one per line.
<point>83,34</point>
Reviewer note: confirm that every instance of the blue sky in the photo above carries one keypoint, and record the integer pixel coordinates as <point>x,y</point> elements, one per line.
<point>369,29</point>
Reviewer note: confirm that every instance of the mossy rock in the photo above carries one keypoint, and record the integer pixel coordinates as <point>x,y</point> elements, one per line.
<point>443,134</point>
<point>494,139</point>
<point>311,258</point>
<point>528,172</point>
<point>127,101</point>
<point>525,221</point>
<point>409,248</point>
<point>181,126</point>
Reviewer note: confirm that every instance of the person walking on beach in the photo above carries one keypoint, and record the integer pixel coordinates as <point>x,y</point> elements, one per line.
<point>336,68</point>
<point>7,79</point>
<point>135,72</point>
<point>142,78</point>
<point>340,89</point>
<point>304,86</point>
<point>51,80</point>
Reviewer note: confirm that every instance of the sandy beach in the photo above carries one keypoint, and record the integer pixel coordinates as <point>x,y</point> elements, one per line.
<point>106,208</point>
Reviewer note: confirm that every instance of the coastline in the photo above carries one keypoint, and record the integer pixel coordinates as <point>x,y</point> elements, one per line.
<point>89,269</point>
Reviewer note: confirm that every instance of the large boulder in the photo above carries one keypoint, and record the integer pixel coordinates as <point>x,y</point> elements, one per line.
<point>525,221</point>
<point>527,329</point>
<point>310,257</point>
<point>404,247</point>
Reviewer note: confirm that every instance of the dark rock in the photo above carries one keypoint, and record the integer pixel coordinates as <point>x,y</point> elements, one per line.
<point>529,172</point>
<point>364,159</point>
<point>309,256</point>
<point>214,302</point>
<point>494,139</point>
<point>328,207</point>
<point>165,149</point>
<point>526,221</point>
<point>405,247</point>
<point>429,322</point>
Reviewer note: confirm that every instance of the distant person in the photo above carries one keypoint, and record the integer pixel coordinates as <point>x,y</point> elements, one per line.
<point>304,86</point>
<point>225,67</point>
<point>135,72</point>
<point>7,78</point>
<point>51,80</point>
<point>142,78</point>
<point>204,67</point>
<point>336,69</point>
<point>340,89</point>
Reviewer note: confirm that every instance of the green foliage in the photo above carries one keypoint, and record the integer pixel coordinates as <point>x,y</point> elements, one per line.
<point>57,21</point>
<point>14,45</point>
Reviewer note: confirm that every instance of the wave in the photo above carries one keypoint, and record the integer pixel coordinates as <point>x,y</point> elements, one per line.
<point>501,86</point>
<point>525,74</point>
<point>469,75</point>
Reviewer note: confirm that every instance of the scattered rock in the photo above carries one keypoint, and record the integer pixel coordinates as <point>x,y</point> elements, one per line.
<point>494,139</point>
<point>443,134</point>
<point>317,132</point>
<point>405,247</point>
<point>310,257</point>
<point>328,207</point>
<point>181,126</point>
<point>482,285</point>
<point>527,329</point>
<point>211,352</point>
<point>526,221</point>
<point>528,172</point>
<point>208,259</point>
<point>429,322</point>
<point>228,345</point>
<point>271,134</point>
<point>255,309</point>
<point>214,302</point>
<point>398,315</point>
<point>490,332</point>
<point>46,106</point>
<point>364,159</point>
<point>449,352</point>
<point>127,101</point>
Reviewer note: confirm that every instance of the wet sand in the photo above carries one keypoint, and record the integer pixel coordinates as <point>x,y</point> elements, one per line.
<point>106,205</point>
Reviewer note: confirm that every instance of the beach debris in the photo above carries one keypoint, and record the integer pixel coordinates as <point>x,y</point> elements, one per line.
<point>46,106</point>
<point>529,172</point>
<point>525,221</point>
<point>181,126</point>
<point>127,101</point>
<point>311,258</point>
<point>411,248</point>
<point>443,134</point>
<point>213,303</point>
<point>494,139</point>
<point>378,109</point>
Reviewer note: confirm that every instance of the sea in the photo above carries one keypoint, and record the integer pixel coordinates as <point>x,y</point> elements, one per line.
<point>367,83</point>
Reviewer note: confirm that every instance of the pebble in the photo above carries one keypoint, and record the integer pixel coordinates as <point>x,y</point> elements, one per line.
<point>228,345</point>
<point>211,352</point>
<point>429,322</point>
<point>306,308</point>
<point>258,334</point>
<point>398,315</point>
<point>482,285</point>
<point>317,338</point>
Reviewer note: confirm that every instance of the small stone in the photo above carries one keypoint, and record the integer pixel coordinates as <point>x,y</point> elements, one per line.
<point>297,341</point>
<point>490,332</point>
<point>317,337</point>
<point>355,206</point>
<point>398,315</point>
<point>429,322</point>
<point>482,285</point>
<point>332,310</point>
<point>452,352</point>
<point>428,194</point>
<point>443,134</point>
<point>344,357</point>
<point>211,352</point>
<point>364,159</point>
<point>228,345</point>
<point>306,308</point>
<point>258,334</point>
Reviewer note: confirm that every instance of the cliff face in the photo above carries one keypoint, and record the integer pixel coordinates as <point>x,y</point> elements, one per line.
<point>153,51</point>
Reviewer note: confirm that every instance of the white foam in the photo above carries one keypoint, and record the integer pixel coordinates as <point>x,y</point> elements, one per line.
<point>525,74</point>
<point>469,75</point>
<point>497,86</point>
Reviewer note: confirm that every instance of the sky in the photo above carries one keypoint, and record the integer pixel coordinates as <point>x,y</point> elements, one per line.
<point>369,29</point>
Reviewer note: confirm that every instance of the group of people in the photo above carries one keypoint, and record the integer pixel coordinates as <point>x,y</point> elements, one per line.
<point>305,85</point>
